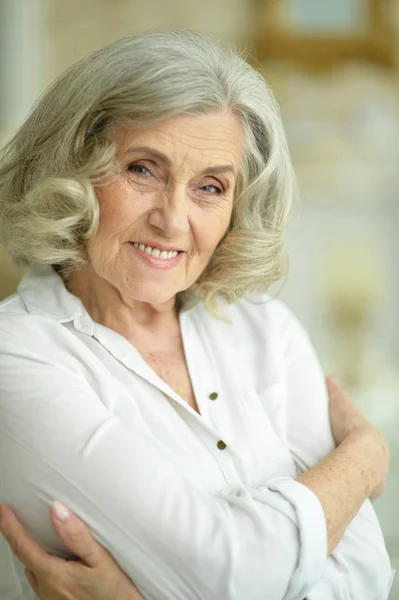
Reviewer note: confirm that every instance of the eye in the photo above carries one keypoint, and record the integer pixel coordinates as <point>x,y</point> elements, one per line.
<point>212,189</point>
<point>139,170</point>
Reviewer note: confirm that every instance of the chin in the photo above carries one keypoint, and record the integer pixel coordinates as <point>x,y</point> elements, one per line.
<point>153,295</point>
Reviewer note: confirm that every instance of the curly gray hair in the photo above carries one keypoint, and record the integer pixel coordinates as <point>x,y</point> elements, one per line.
<point>48,206</point>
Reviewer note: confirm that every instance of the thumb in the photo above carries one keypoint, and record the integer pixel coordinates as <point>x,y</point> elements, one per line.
<point>75,534</point>
<point>30,576</point>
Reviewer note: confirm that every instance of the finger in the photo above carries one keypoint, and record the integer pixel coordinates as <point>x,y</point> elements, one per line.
<point>23,546</point>
<point>75,534</point>
<point>32,581</point>
<point>335,390</point>
<point>332,382</point>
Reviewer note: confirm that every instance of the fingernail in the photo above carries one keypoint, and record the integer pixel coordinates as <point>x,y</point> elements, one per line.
<point>61,512</point>
<point>333,379</point>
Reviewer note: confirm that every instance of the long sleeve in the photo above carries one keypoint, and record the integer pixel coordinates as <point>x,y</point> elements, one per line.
<point>359,567</point>
<point>58,440</point>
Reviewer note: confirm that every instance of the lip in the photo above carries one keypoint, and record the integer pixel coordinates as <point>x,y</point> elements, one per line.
<point>159,246</point>
<point>156,263</point>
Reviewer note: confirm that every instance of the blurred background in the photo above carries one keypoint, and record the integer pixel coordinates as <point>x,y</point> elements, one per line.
<point>333,65</point>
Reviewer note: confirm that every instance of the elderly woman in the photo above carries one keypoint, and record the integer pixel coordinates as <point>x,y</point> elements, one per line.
<point>147,380</point>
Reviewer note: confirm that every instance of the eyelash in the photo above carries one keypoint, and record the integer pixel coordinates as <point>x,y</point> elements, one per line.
<point>219,190</point>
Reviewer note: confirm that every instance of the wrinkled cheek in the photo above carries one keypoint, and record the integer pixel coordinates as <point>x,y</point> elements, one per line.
<point>100,254</point>
<point>200,262</point>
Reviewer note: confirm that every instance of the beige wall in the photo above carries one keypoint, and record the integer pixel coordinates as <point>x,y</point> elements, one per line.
<point>9,275</point>
<point>76,27</point>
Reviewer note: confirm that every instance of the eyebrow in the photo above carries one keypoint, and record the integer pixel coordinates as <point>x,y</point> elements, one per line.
<point>166,160</point>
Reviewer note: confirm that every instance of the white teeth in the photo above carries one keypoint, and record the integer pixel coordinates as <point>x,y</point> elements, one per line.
<point>156,252</point>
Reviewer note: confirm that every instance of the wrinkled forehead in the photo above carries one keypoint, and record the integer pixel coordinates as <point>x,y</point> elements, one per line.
<point>196,140</point>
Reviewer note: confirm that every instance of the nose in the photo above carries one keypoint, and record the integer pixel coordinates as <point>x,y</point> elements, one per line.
<point>170,216</point>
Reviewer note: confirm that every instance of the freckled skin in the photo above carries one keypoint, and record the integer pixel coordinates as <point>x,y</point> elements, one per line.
<point>173,203</point>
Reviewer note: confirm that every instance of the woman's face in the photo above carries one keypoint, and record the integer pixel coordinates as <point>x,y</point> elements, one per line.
<point>163,216</point>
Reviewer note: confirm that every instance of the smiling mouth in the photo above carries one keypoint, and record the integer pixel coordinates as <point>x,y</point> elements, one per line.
<point>156,252</point>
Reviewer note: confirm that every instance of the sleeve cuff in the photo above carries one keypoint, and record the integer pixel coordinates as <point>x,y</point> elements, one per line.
<point>332,585</point>
<point>329,587</point>
<point>312,531</point>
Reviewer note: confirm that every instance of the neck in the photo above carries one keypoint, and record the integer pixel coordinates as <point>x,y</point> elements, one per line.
<point>125,315</point>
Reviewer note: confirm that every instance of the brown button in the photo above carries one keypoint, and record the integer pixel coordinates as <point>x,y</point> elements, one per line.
<point>213,396</point>
<point>221,445</point>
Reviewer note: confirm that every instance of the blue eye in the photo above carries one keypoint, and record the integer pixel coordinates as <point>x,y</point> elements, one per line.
<point>212,189</point>
<point>139,169</point>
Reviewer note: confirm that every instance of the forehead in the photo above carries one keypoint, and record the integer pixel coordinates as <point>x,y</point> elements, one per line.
<point>210,137</point>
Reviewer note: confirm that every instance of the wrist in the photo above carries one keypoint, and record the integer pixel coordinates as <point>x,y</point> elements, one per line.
<point>128,591</point>
<point>367,446</point>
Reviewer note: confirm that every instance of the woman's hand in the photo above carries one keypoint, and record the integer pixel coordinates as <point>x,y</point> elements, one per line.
<point>347,420</point>
<point>344,416</point>
<point>96,576</point>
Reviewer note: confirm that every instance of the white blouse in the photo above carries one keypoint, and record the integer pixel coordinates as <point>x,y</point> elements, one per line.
<point>192,506</point>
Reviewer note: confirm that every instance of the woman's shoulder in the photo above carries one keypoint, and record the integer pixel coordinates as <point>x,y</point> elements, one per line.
<point>258,335</point>
<point>12,305</point>
<point>27,335</point>
<point>261,309</point>
<point>17,322</point>
<point>257,324</point>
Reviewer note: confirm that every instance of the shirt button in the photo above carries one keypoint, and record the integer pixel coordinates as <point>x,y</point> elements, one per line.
<point>221,445</point>
<point>213,396</point>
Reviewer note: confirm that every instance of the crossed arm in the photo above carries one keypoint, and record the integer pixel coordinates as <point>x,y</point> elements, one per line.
<point>96,576</point>
<point>344,478</point>
<point>344,573</point>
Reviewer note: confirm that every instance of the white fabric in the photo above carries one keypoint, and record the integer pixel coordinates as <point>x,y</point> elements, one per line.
<point>84,420</point>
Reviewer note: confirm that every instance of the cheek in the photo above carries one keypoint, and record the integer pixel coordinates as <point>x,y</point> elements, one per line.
<point>211,228</point>
<point>113,220</point>
<point>120,208</point>
<point>114,212</point>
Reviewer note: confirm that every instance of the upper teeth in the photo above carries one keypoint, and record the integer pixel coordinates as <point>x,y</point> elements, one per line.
<point>156,251</point>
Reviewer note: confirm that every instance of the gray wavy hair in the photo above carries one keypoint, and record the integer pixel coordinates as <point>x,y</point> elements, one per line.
<point>48,206</point>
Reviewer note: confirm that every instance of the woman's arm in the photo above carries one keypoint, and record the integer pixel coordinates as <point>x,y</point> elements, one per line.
<point>342,491</point>
<point>344,477</point>
<point>81,429</point>
<point>172,539</point>
<point>96,576</point>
